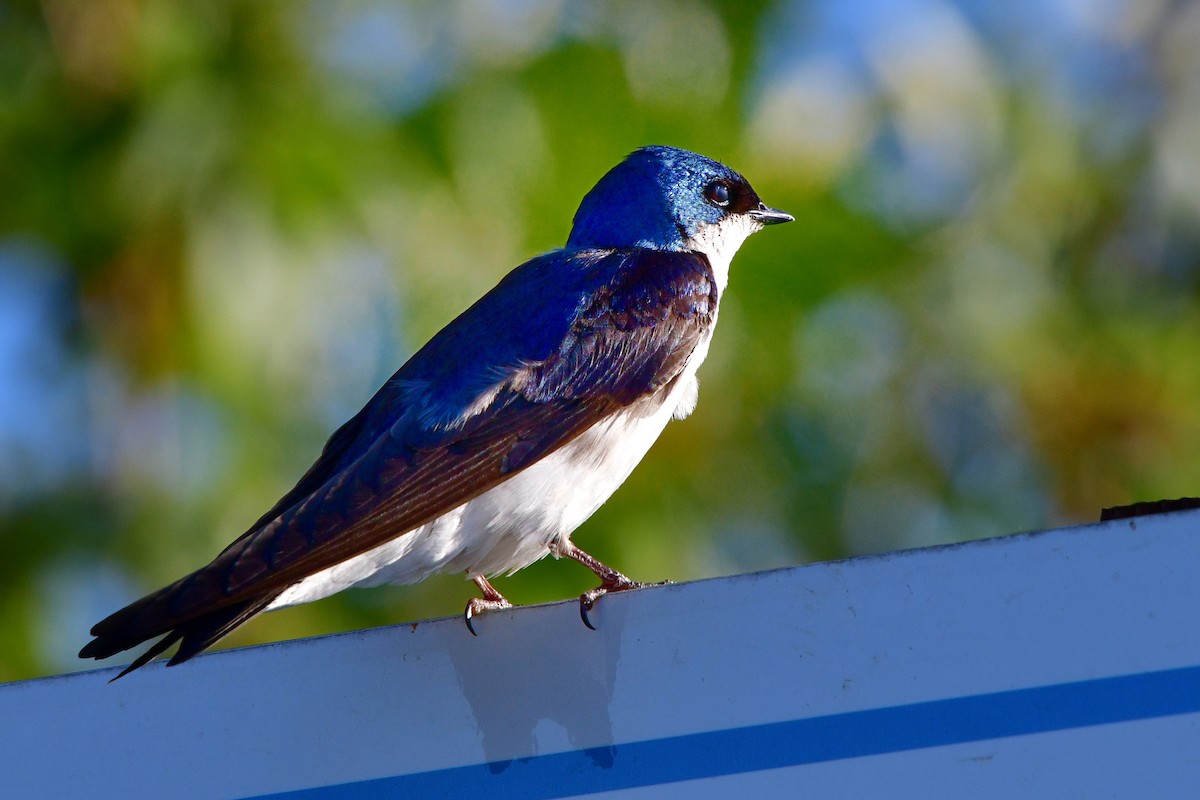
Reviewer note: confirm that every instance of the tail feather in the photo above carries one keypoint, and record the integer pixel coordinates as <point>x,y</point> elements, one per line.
<point>127,628</point>
<point>148,656</point>
<point>208,629</point>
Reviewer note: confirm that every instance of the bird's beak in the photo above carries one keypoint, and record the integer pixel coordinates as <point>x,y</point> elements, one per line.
<point>766,215</point>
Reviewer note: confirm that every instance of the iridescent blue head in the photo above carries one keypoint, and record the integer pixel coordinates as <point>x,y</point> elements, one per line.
<point>669,199</point>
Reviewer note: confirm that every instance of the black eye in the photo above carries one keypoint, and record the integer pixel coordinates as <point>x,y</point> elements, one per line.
<point>717,193</point>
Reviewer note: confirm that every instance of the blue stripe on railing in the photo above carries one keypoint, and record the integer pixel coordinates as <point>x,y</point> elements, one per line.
<point>802,741</point>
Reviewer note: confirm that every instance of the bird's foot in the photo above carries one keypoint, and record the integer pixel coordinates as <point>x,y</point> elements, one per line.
<point>614,583</point>
<point>478,606</point>
<point>610,579</point>
<point>492,600</point>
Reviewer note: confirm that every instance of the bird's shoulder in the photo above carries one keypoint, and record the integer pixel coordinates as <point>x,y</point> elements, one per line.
<point>555,325</point>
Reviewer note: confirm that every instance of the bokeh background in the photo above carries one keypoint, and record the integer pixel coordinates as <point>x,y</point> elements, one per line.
<point>224,224</point>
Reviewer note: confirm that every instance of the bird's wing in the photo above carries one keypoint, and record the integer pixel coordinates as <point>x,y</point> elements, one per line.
<point>538,363</point>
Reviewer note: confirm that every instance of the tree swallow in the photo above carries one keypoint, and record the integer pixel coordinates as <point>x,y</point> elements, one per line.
<point>507,430</point>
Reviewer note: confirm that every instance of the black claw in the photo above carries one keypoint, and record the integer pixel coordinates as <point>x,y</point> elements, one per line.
<point>584,608</point>
<point>467,619</point>
<point>587,601</point>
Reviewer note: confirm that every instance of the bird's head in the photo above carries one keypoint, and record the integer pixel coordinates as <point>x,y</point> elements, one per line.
<point>670,199</point>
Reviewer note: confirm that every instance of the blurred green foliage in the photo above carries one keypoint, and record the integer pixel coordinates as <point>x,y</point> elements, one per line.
<point>222,225</point>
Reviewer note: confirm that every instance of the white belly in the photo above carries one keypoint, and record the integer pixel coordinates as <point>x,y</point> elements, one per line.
<point>512,525</point>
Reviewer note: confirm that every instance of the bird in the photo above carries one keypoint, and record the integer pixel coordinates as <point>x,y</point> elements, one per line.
<point>506,431</point>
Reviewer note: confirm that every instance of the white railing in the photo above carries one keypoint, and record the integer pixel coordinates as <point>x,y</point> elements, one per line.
<point>1056,664</point>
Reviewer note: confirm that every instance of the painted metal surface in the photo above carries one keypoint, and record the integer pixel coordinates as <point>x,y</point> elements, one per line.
<point>1064,663</point>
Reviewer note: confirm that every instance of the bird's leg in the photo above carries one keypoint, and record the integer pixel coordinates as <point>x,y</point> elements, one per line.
<point>492,600</point>
<point>610,579</point>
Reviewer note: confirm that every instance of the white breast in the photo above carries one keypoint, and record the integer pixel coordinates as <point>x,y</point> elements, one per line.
<point>720,242</point>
